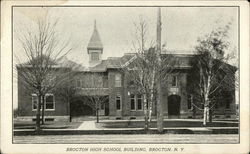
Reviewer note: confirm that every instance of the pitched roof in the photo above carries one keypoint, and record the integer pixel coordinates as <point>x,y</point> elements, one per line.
<point>95,40</point>
<point>101,67</point>
<point>112,63</point>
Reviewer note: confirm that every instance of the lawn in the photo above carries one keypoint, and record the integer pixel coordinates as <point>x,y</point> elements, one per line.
<point>47,125</point>
<point>166,124</point>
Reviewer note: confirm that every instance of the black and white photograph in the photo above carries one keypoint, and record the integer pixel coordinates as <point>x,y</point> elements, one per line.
<point>152,75</point>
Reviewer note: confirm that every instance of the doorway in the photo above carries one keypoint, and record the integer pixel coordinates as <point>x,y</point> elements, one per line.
<point>174,105</point>
<point>79,108</point>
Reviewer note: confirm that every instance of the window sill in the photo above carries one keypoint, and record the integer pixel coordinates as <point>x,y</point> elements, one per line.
<point>49,110</point>
<point>44,110</point>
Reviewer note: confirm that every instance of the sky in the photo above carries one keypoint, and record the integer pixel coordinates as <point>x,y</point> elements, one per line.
<point>181,26</point>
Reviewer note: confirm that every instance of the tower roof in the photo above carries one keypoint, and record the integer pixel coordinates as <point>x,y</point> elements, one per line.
<point>95,40</point>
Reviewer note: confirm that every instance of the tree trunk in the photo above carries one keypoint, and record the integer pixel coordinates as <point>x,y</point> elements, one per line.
<point>205,115</point>
<point>145,111</point>
<point>97,112</point>
<point>159,112</point>
<point>38,127</point>
<point>97,115</point>
<point>69,109</point>
<point>194,112</point>
<point>151,94</point>
<point>43,104</point>
<point>150,111</point>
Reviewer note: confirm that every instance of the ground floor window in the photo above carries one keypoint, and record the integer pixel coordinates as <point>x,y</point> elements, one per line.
<point>49,102</point>
<point>136,102</point>
<point>35,102</point>
<point>139,102</point>
<point>189,101</point>
<point>132,101</point>
<point>118,102</point>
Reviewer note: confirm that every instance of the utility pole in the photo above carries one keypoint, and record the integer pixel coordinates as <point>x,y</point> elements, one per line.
<point>159,97</point>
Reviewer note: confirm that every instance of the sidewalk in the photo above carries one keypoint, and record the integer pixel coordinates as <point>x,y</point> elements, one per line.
<point>87,125</point>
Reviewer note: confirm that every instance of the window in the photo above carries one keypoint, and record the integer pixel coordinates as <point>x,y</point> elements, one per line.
<point>139,102</point>
<point>94,56</point>
<point>132,101</point>
<point>189,101</point>
<point>99,82</point>
<point>49,102</point>
<point>174,81</point>
<point>35,102</point>
<point>78,83</point>
<point>118,80</point>
<point>118,102</point>
<point>105,81</point>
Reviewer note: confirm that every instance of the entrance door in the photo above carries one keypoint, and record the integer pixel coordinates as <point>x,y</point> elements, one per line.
<point>78,108</point>
<point>174,105</point>
<point>106,108</point>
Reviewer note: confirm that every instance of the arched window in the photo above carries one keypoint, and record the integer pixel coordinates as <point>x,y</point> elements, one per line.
<point>118,82</point>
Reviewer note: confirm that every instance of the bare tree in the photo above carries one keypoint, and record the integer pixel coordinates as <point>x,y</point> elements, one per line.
<point>146,69</point>
<point>93,87</point>
<point>44,52</point>
<point>215,77</point>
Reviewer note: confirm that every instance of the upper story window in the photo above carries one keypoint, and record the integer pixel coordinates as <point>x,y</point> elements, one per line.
<point>174,81</point>
<point>94,56</point>
<point>78,83</point>
<point>98,82</point>
<point>49,102</point>
<point>118,82</point>
<point>105,81</point>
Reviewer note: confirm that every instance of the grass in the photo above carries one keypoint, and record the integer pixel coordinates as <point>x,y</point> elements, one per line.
<point>47,125</point>
<point>166,124</point>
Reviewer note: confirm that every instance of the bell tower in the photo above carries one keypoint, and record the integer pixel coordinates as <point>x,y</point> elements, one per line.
<point>95,48</point>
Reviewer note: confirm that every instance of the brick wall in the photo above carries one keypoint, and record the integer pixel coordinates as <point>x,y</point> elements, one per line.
<point>25,103</point>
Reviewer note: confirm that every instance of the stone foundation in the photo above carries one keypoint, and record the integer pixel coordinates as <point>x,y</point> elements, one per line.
<point>47,118</point>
